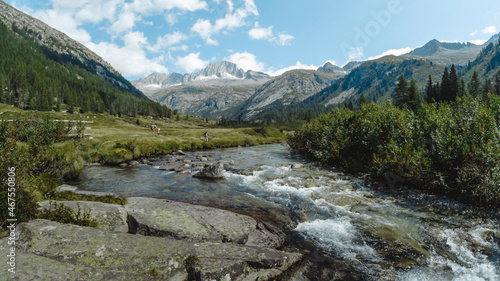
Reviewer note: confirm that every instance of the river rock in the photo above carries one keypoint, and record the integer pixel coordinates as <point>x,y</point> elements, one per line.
<point>93,193</point>
<point>296,166</point>
<point>343,200</point>
<point>133,163</point>
<point>165,218</point>
<point>108,216</point>
<point>149,258</point>
<point>215,171</point>
<point>34,267</point>
<point>66,187</point>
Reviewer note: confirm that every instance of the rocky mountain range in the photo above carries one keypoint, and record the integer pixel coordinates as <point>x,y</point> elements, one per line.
<point>448,53</point>
<point>223,89</point>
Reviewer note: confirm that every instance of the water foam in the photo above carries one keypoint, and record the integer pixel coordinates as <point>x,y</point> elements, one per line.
<point>337,236</point>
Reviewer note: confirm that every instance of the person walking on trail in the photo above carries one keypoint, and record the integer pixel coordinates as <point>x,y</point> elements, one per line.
<point>205,135</point>
<point>153,129</point>
<point>158,131</point>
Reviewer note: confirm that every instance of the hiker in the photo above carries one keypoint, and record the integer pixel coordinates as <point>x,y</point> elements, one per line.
<point>205,135</point>
<point>153,128</point>
<point>158,131</point>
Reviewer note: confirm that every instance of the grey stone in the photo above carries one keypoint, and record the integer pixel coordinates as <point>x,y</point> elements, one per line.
<point>93,193</point>
<point>165,218</point>
<point>117,253</point>
<point>66,187</point>
<point>31,267</point>
<point>108,216</point>
<point>215,171</point>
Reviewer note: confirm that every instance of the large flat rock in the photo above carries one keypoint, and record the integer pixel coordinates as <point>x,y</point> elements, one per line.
<point>30,267</point>
<point>165,218</point>
<point>117,254</point>
<point>108,216</point>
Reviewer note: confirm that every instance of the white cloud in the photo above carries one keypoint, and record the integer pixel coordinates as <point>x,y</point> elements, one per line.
<point>128,60</point>
<point>266,33</point>
<point>487,30</point>
<point>135,40</point>
<point>261,33</point>
<point>171,19</point>
<point>246,61</point>
<point>230,6</point>
<point>355,53</point>
<point>168,40</point>
<point>232,20</point>
<point>298,65</point>
<point>95,11</point>
<point>63,21</point>
<point>395,52</point>
<point>191,62</point>
<point>284,39</point>
<point>184,5</point>
<point>205,30</point>
<point>478,41</point>
<point>126,21</point>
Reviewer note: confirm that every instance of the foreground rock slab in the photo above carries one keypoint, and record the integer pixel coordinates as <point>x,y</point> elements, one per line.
<point>108,216</point>
<point>114,254</point>
<point>165,218</point>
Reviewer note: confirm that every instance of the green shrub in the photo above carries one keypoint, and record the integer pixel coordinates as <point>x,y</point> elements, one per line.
<point>63,214</point>
<point>117,156</point>
<point>71,196</point>
<point>451,149</point>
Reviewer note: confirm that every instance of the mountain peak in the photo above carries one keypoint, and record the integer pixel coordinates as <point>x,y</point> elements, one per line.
<point>329,67</point>
<point>221,69</point>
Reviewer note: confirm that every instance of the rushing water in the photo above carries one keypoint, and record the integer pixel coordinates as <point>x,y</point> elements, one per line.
<point>347,231</point>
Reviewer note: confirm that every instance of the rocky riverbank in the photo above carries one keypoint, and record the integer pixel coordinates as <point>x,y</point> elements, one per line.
<point>150,239</point>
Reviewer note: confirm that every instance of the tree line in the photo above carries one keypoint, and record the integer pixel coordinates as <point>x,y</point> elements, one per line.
<point>35,77</point>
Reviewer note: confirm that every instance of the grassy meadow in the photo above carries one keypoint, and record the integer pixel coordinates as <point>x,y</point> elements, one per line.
<point>43,157</point>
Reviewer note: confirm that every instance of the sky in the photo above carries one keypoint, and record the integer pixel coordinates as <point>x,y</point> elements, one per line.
<point>140,37</point>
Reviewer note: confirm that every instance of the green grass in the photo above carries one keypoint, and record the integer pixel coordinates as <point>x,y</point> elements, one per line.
<point>120,139</point>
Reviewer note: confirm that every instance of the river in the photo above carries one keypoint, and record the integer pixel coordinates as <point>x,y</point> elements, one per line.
<point>346,230</point>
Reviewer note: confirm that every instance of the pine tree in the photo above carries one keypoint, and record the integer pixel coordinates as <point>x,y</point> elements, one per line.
<point>454,84</point>
<point>401,95</point>
<point>362,100</point>
<point>414,98</point>
<point>475,84</point>
<point>430,91</point>
<point>2,89</point>
<point>445,91</point>
<point>350,105</point>
<point>486,89</point>
<point>497,83</point>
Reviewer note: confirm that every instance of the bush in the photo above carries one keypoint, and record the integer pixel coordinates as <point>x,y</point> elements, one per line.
<point>117,156</point>
<point>451,149</point>
<point>25,145</point>
<point>63,214</point>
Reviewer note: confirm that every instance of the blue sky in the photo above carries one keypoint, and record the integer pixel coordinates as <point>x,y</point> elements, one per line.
<point>140,37</point>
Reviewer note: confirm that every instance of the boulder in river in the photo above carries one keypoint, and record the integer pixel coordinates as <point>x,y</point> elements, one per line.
<point>165,218</point>
<point>215,171</point>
